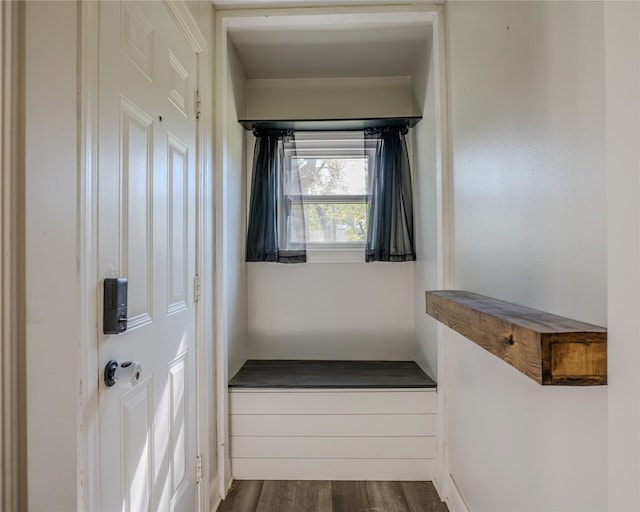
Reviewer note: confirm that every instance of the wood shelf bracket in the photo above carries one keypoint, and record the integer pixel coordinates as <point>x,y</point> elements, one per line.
<point>550,349</point>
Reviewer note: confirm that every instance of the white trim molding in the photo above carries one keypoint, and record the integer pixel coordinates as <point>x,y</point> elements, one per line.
<point>214,495</point>
<point>12,482</point>
<point>221,346</point>
<point>186,22</point>
<point>442,477</point>
<point>199,31</point>
<point>252,4</point>
<point>88,371</point>
<point>317,17</point>
<point>455,501</point>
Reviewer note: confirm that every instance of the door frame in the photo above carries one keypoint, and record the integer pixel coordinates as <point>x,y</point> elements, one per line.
<point>89,373</point>
<point>443,480</point>
<point>12,353</point>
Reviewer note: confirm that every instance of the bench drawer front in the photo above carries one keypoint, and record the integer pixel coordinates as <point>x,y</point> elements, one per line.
<point>333,447</point>
<point>410,425</point>
<point>332,402</point>
<point>334,469</point>
<point>337,434</point>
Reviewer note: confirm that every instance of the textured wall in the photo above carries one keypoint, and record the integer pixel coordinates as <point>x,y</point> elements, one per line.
<point>52,281</point>
<point>622,57</point>
<point>529,226</point>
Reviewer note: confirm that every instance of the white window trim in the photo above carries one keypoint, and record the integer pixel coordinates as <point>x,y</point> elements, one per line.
<point>336,255</point>
<point>334,144</point>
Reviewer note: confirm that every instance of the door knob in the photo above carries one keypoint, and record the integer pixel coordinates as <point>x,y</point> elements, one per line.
<point>127,373</point>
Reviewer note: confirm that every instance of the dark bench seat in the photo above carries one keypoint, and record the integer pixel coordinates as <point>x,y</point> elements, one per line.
<point>329,374</point>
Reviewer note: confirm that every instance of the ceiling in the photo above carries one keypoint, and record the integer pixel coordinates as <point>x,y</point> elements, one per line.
<point>382,50</point>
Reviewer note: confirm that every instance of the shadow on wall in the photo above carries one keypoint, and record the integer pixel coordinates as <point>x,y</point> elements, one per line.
<point>373,345</point>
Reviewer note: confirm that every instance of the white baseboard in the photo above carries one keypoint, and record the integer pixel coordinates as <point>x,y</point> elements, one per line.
<point>454,499</point>
<point>229,478</point>
<point>214,494</point>
<point>438,484</point>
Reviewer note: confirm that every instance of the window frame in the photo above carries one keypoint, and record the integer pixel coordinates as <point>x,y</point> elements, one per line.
<point>332,145</point>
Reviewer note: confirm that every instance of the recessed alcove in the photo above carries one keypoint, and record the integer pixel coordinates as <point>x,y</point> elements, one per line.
<point>316,66</point>
<point>313,67</point>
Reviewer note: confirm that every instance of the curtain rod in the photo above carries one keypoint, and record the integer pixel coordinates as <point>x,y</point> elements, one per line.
<point>319,125</point>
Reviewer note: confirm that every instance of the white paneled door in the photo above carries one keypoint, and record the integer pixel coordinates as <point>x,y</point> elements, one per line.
<point>146,233</point>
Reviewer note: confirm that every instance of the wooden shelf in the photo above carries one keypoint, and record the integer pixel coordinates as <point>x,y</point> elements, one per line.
<point>550,349</point>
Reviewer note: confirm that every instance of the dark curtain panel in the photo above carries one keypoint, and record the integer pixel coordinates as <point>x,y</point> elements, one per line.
<point>268,219</point>
<point>390,230</point>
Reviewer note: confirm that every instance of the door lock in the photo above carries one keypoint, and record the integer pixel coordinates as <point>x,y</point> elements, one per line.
<point>127,374</point>
<point>114,317</point>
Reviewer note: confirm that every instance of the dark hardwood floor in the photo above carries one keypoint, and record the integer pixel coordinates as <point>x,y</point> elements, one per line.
<point>331,496</point>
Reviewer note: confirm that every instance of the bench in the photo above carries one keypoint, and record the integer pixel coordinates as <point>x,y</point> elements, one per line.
<point>332,420</point>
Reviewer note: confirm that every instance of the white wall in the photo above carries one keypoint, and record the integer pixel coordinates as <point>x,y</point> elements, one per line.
<point>622,57</point>
<point>231,284</point>
<point>238,82</point>
<point>233,213</point>
<point>331,311</point>
<point>329,98</point>
<point>52,283</point>
<point>529,214</point>
<point>425,214</point>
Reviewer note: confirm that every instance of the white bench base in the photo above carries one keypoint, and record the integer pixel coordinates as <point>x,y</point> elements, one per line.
<point>337,434</point>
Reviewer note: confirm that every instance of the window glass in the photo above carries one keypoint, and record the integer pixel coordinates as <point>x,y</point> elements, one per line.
<point>332,223</point>
<point>327,176</point>
<point>332,192</point>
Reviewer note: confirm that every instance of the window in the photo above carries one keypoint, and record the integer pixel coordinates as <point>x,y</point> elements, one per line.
<point>354,188</point>
<point>333,189</point>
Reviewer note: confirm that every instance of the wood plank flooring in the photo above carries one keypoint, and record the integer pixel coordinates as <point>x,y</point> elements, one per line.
<point>331,496</point>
